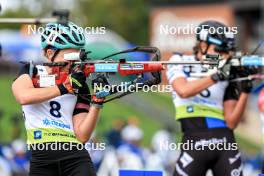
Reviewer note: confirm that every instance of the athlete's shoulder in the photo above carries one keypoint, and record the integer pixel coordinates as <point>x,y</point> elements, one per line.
<point>23,69</point>
<point>177,70</point>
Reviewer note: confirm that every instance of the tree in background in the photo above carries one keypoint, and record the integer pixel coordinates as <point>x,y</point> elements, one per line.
<point>18,13</point>
<point>129,18</point>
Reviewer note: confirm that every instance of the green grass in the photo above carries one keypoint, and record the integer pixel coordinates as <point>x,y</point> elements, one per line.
<point>117,110</point>
<point>247,146</point>
<point>163,100</point>
<point>10,108</point>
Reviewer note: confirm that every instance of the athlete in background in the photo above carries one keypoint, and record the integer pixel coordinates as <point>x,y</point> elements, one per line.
<point>64,114</point>
<point>208,108</point>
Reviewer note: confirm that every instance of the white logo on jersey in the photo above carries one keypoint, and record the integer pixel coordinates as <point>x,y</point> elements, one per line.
<point>236,172</point>
<point>180,171</point>
<point>232,160</point>
<point>186,159</point>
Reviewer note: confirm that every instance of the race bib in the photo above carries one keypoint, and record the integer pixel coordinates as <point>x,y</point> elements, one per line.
<point>47,80</point>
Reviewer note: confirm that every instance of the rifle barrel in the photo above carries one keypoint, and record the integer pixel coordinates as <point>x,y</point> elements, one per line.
<point>152,62</point>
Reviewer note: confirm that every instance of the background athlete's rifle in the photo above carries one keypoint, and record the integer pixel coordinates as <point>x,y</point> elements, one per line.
<point>255,65</point>
<point>241,64</point>
<point>248,64</point>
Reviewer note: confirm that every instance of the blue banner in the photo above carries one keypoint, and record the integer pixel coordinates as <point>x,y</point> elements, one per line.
<point>139,173</point>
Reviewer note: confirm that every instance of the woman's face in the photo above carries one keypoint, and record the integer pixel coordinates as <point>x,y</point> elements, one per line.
<point>212,51</point>
<point>60,56</point>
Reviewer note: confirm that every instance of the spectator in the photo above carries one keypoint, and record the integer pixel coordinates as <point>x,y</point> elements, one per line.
<point>114,135</point>
<point>20,157</point>
<point>130,153</point>
<point>162,157</point>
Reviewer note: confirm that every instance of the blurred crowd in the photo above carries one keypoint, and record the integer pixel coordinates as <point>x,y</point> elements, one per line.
<point>120,148</point>
<point>14,159</point>
<point>125,150</point>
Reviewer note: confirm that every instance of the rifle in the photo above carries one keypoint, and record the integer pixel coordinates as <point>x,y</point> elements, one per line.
<point>106,66</point>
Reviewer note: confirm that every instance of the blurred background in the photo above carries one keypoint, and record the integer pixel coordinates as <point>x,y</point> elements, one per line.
<point>141,119</point>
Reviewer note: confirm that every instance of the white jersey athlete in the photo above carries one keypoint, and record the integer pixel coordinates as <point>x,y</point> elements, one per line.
<point>208,103</point>
<point>208,108</point>
<point>59,117</point>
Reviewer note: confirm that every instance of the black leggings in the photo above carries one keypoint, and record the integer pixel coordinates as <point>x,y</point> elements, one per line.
<point>61,163</point>
<point>193,162</point>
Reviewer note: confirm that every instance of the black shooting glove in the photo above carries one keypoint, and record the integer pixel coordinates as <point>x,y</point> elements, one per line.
<point>73,83</point>
<point>84,93</point>
<point>99,82</point>
<point>243,72</point>
<point>223,72</point>
<point>246,86</point>
<point>98,85</point>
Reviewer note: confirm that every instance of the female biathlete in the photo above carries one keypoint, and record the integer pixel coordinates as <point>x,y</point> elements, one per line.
<point>58,119</point>
<point>208,108</point>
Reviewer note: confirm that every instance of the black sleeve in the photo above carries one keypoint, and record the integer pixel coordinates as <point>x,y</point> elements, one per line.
<point>231,92</point>
<point>24,69</point>
<point>83,101</point>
